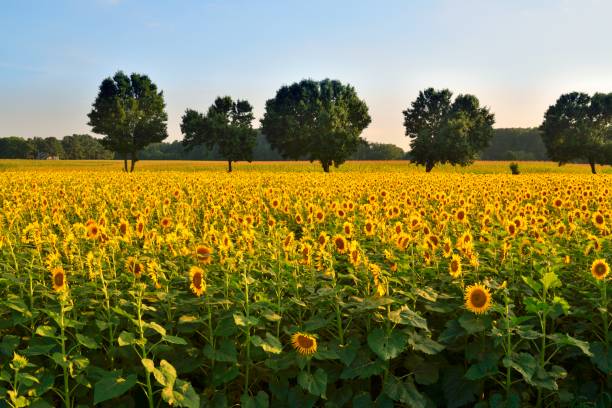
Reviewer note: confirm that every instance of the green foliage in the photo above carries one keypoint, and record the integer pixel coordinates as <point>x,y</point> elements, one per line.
<point>129,112</point>
<point>316,120</point>
<point>515,144</point>
<point>514,168</point>
<point>226,126</point>
<point>445,131</point>
<point>74,147</point>
<point>579,127</point>
<point>378,151</point>
<point>14,147</point>
<point>84,147</point>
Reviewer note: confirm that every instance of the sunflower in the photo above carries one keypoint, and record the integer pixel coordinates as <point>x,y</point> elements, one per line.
<point>370,227</point>
<point>288,241</point>
<point>454,267</point>
<point>58,276</point>
<point>354,254</point>
<point>140,228</point>
<point>461,215</point>
<point>124,227</point>
<point>133,266</point>
<point>511,229</point>
<point>347,227</point>
<point>340,243</point>
<point>203,254</point>
<point>304,343</point>
<point>319,216</point>
<point>197,282</point>
<point>477,298</point>
<point>598,220</point>
<point>600,269</point>
<point>306,252</point>
<point>165,222</point>
<point>447,248</point>
<point>323,238</point>
<point>93,231</point>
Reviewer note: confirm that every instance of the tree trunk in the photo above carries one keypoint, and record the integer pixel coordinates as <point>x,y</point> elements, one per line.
<point>428,166</point>
<point>134,159</point>
<point>229,166</point>
<point>125,163</point>
<point>325,165</point>
<point>592,164</point>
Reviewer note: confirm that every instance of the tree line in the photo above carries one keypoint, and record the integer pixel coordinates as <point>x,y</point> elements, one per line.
<point>323,121</point>
<point>72,147</point>
<point>86,147</point>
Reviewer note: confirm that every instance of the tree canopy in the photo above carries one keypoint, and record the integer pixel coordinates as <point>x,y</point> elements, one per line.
<point>129,112</point>
<point>515,144</point>
<point>579,127</point>
<point>446,131</point>
<point>316,120</point>
<point>227,126</point>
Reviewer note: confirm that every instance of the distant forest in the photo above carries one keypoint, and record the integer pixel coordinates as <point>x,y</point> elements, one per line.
<point>506,144</point>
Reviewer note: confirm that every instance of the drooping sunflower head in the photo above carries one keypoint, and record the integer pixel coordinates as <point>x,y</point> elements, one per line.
<point>203,254</point>
<point>58,276</point>
<point>196,279</point>
<point>600,269</point>
<point>304,343</point>
<point>447,247</point>
<point>288,241</point>
<point>477,298</point>
<point>134,267</point>
<point>354,254</point>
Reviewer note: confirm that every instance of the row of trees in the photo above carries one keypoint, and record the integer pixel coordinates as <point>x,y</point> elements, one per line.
<point>261,152</point>
<point>323,121</point>
<point>73,147</point>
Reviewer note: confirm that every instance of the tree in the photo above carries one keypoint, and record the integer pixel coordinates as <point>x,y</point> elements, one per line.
<point>515,144</point>
<point>579,127</point>
<point>15,147</point>
<point>316,120</point>
<point>378,151</point>
<point>53,147</point>
<point>446,131</point>
<point>84,147</point>
<point>129,112</point>
<point>227,125</point>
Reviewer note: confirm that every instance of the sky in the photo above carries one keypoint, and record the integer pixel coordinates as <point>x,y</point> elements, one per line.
<point>516,56</point>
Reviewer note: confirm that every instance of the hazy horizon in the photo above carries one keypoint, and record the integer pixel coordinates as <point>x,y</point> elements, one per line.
<point>516,57</point>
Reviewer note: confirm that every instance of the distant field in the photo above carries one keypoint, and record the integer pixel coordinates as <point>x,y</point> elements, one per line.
<point>368,166</point>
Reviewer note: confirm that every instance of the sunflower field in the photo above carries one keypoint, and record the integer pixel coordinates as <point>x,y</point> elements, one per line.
<point>282,288</point>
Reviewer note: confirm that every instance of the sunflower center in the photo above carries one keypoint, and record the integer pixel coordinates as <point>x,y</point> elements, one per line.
<point>454,266</point>
<point>599,219</point>
<point>340,244</point>
<point>58,279</point>
<point>305,342</point>
<point>478,298</point>
<point>197,280</point>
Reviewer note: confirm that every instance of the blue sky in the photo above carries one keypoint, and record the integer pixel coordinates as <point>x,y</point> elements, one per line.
<point>516,56</point>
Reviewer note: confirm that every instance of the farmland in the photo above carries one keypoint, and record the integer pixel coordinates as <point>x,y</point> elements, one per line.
<point>278,285</point>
